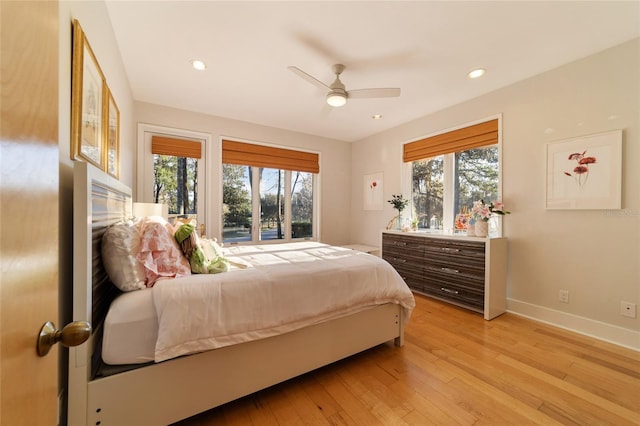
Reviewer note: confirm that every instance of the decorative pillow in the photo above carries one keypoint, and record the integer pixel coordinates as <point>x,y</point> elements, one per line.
<point>159,252</point>
<point>120,244</point>
<point>205,256</point>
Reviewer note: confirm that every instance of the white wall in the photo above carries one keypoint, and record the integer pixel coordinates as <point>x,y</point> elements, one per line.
<point>594,254</point>
<point>335,161</point>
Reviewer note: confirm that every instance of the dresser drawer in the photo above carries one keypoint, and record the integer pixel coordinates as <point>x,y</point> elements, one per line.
<point>459,295</point>
<point>403,245</point>
<point>471,253</point>
<point>455,271</point>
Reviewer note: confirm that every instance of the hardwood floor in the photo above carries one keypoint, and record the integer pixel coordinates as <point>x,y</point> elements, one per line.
<point>456,368</point>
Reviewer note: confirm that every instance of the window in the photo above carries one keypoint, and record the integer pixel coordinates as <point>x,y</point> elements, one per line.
<point>236,203</point>
<point>175,174</point>
<point>302,205</point>
<point>171,169</point>
<point>268,193</point>
<point>427,191</point>
<point>175,183</point>
<point>452,170</point>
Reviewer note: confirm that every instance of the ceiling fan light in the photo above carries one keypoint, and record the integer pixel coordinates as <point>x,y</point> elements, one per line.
<point>336,99</point>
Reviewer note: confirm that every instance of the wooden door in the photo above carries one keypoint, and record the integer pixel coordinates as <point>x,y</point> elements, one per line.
<point>28,210</point>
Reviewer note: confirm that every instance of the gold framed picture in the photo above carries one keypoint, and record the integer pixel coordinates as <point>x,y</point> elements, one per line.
<point>88,89</point>
<point>112,135</point>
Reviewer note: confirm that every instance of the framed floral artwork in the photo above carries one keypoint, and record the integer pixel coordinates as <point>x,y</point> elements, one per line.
<point>87,102</point>
<point>585,172</point>
<point>373,191</point>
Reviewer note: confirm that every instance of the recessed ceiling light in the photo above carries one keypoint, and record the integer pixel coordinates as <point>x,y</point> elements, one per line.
<point>198,64</point>
<point>477,73</point>
<point>376,116</point>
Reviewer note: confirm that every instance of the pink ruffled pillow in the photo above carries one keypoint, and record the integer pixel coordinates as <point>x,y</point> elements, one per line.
<point>159,252</point>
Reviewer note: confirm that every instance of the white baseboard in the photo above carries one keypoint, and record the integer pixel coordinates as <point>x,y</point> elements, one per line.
<point>596,329</point>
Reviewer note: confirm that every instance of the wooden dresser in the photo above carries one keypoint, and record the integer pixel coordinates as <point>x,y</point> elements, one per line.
<point>466,271</point>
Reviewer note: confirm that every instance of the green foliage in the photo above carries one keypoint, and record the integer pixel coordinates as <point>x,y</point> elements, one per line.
<point>399,202</point>
<point>236,198</point>
<point>302,196</point>
<point>301,230</point>
<point>476,177</point>
<point>271,212</point>
<point>427,189</point>
<point>175,183</point>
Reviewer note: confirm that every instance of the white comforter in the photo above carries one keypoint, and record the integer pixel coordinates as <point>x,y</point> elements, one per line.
<point>284,287</point>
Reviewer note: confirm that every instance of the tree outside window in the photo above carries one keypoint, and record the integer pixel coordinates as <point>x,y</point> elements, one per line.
<point>273,218</point>
<point>472,175</point>
<point>175,183</point>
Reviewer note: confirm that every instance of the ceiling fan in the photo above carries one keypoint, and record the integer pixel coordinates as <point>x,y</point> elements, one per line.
<point>338,94</point>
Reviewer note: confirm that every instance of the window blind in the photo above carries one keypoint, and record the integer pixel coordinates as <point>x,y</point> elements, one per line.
<point>476,136</point>
<point>176,147</point>
<point>247,154</point>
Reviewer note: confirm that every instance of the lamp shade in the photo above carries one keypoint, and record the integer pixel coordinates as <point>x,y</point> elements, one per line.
<point>150,209</point>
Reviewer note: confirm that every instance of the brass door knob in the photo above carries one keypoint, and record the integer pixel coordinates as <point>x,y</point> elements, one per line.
<point>73,334</point>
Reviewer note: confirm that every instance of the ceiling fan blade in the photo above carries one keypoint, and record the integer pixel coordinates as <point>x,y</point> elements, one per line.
<point>374,93</point>
<point>309,78</point>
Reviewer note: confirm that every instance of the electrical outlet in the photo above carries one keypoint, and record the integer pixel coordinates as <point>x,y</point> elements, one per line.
<point>564,296</point>
<point>628,309</point>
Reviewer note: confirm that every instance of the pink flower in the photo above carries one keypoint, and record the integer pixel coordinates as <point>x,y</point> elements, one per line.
<point>577,156</point>
<point>483,211</point>
<point>581,171</point>
<point>587,160</point>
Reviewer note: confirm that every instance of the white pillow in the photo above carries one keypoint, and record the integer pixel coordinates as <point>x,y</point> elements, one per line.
<point>120,245</point>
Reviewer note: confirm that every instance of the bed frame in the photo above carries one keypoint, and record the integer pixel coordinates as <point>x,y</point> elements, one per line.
<point>166,392</point>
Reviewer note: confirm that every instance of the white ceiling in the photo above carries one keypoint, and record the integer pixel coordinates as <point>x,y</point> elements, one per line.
<point>424,47</point>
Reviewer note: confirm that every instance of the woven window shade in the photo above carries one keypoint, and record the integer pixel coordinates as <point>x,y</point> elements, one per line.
<point>247,154</point>
<point>476,136</point>
<point>176,147</point>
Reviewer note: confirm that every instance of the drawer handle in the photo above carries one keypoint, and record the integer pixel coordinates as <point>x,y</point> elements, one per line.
<point>450,250</point>
<point>395,259</point>
<point>455,271</point>
<point>446,290</point>
<point>397,243</point>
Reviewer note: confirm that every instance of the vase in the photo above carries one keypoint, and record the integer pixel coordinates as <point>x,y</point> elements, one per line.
<point>482,228</point>
<point>471,229</point>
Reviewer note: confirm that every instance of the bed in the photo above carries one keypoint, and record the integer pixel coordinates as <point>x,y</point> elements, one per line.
<point>129,373</point>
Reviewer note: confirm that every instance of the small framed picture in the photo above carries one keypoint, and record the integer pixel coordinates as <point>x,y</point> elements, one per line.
<point>585,172</point>
<point>87,102</point>
<point>112,136</point>
<point>373,189</point>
